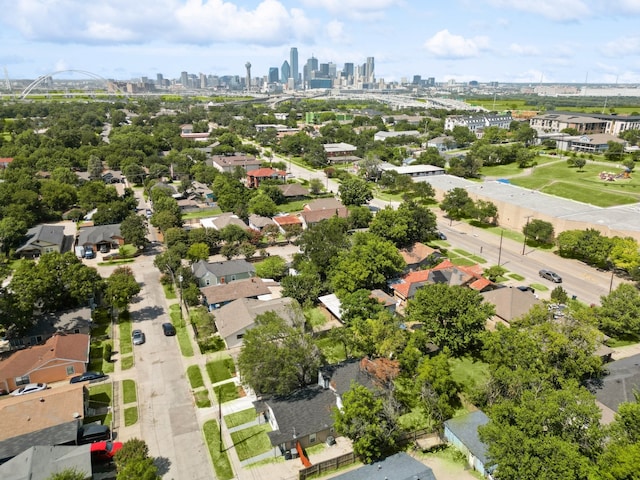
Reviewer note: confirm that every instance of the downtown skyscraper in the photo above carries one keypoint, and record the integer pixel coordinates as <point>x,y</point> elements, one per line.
<point>293,64</point>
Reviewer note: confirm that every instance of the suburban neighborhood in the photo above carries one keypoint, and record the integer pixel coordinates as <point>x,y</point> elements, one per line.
<point>317,287</point>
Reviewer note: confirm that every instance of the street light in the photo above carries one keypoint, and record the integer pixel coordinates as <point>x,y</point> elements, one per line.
<point>524,243</point>
<point>180,300</point>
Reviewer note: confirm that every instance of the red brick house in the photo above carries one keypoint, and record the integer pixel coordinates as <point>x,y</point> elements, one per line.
<point>59,358</point>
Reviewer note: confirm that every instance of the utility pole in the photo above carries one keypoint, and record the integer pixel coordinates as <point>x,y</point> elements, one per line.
<point>500,248</point>
<point>524,243</point>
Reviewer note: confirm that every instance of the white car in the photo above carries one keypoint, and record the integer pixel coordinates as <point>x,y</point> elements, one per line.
<point>30,388</point>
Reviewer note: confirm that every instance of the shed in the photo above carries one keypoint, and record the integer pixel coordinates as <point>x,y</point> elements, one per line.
<point>462,433</point>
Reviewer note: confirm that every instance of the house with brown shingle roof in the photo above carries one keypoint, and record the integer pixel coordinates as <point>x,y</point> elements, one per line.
<point>510,303</point>
<point>322,209</point>
<point>293,191</point>
<point>234,319</point>
<point>419,255</point>
<point>255,177</point>
<point>59,358</point>
<point>216,296</point>
<point>445,272</point>
<point>50,417</point>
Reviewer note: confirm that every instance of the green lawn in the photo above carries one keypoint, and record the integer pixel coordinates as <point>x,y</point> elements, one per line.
<point>202,399</point>
<point>116,262</point>
<point>202,213</point>
<point>126,362</point>
<point>515,276</point>
<point>130,416</point>
<point>252,441</point>
<point>332,351</point>
<point>203,321</point>
<point>182,332</point>
<point>414,420</point>
<point>226,392</point>
<point>220,370</point>
<point>463,262</point>
<point>240,418</point>
<point>315,318</point>
<point>126,346</point>
<point>583,186</point>
<point>468,372</point>
<point>539,287</point>
<point>129,393</point>
<point>221,463</point>
<point>101,394</point>
<point>195,376</point>
<point>169,292</point>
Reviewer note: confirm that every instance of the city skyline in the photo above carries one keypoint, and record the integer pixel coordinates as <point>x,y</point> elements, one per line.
<point>511,41</point>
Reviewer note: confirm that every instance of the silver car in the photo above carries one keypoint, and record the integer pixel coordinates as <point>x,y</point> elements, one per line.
<point>138,337</point>
<point>30,388</point>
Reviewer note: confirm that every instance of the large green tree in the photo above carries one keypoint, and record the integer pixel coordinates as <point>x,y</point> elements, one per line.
<point>368,422</point>
<point>293,359</point>
<point>121,287</point>
<point>619,313</point>
<point>355,191</point>
<point>134,230</point>
<point>453,315</point>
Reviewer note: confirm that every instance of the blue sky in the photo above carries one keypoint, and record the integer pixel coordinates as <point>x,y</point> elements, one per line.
<point>567,41</point>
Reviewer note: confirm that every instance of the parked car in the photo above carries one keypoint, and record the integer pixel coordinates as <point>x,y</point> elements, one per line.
<point>168,329</point>
<point>88,377</point>
<point>29,388</point>
<point>93,432</point>
<point>526,288</point>
<point>105,450</point>
<point>89,253</point>
<point>138,337</point>
<point>549,275</point>
<point>441,236</point>
<point>104,248</point>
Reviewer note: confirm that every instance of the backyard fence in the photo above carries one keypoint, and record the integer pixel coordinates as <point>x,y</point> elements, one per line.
<point>327,466</point>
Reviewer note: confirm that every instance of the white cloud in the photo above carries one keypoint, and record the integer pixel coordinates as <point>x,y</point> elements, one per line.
<point>524,50</point>
<point>365,10</point>
<point>621,47</point>
<point>446,45</point>
<point>626,6</point>
<point>126,21</point>
<point>336,33</point>
<point>557,10</point>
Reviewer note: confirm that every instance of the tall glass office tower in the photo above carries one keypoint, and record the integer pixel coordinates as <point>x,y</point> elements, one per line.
<point>285,72</point>
<point>293,64</point>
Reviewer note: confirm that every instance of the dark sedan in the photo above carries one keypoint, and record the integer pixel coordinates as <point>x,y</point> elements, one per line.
<point>88,377</point>
<point>168,329</point>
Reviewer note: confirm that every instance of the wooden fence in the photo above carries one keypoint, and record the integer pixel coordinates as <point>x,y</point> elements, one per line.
<point>327,466</point>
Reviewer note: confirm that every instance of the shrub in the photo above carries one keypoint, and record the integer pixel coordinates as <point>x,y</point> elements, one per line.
<point>213,343</point>
<point>108,349</point>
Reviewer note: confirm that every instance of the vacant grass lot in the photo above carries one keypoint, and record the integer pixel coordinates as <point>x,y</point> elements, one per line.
<point>221,463</point>
<point>240,418</point>
<point>129,394</point>
<point>220,370</point>
<point>195,376</point>
<point>583,186</point>
<point>252,441</point>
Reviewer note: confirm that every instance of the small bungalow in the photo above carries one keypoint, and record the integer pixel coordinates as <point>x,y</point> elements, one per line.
<point>510,304</point>
<point>42,462</point>
<point>42,239</point>
<point>216,273</point>
<point>61,357</point>
<point>216,296</point>
<point>293,191</point>
<point>222,221</point>
<point>234,319</point>
<point>257,222</point>
<point>382,135</point>
<point>322,209</point>
<point>339,149</point>
<point>420,255</point>
<point>285,222</point>
<point>462,433</point>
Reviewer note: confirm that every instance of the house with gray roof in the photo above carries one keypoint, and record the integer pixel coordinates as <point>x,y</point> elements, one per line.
<point>234,319</point>
<point>217,273</point>
<point>41,462</point>
<point>222,221</point>
<point>304,416</point>
<point>397,467</point>
<point>619,385</point>
<point>96,236</point>
<point>510,303</point>
<point>382,135</point>
<point>462,433</point>
<point>258,222</point>
<point>42,239</point>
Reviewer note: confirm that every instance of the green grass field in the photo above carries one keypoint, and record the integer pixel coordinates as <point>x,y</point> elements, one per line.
<point>468,372</point>
<point>129,394</point>
<point>219,458</point>
<point>252,441</point>
<point>220,370</point>
<point>195,376</point>
<point>240,418</point>
<point>583,186</point>
<point>202,213</point>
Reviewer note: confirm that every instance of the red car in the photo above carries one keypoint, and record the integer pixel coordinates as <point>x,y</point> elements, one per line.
<point>105,450</point>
